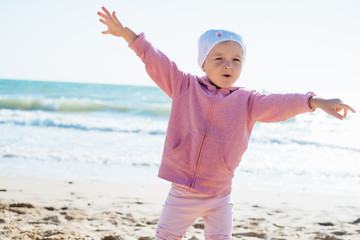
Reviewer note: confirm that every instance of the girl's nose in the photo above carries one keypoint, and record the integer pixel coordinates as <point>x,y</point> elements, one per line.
<point>227,65</point>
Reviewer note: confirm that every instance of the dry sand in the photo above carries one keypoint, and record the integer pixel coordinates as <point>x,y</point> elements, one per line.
<point>44,209</point>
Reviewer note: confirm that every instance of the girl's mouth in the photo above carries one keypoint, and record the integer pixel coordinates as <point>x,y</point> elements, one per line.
<point>227,75</point>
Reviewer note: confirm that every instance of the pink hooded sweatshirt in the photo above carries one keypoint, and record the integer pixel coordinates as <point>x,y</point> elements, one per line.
<point>209,128</point>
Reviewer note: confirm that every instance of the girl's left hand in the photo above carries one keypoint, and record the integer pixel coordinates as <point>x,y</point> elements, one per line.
<point>331,106</point>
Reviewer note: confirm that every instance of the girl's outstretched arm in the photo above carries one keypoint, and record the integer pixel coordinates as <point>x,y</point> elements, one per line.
<point>330,106</point>
<point>160,68</point>
<point>115,27</point>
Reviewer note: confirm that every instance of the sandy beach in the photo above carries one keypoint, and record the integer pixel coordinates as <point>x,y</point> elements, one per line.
<point>37,208</point>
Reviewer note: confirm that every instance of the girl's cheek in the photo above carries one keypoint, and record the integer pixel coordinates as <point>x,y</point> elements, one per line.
<point>218,64</point>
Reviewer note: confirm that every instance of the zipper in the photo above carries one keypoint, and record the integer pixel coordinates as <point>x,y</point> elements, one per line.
<point>206,128</point>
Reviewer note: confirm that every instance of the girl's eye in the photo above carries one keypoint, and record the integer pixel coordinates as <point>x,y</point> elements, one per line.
<point>219,58</point>
<point>236,59</point>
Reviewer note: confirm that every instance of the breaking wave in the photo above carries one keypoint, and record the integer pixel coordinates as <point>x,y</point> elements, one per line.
<point>82,105</point>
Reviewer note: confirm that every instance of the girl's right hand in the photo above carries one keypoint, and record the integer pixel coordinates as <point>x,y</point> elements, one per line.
<point>114,25</point>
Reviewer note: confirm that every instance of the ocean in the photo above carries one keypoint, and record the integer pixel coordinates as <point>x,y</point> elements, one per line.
<point>92,132</point>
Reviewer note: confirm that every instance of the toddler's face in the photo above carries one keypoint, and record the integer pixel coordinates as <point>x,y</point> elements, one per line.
<point>224,63</point>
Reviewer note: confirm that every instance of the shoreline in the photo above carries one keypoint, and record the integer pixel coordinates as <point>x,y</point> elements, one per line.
<point>43,208</point>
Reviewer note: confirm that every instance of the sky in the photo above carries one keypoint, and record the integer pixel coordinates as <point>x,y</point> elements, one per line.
<point>292,46</point>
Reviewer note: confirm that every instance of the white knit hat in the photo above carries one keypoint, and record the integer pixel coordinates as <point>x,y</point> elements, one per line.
<point>212,37</point>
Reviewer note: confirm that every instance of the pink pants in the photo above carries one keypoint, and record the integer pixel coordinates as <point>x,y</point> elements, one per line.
<point>183,206</point>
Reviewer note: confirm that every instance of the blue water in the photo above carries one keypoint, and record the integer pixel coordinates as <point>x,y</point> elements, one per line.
<point>116,132</point>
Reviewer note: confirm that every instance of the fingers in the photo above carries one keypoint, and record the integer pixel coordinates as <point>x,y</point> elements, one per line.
<point>107,16</point>
<point>335,114</point>
<point>115,18</point>
<point>345,113</point>
<point>102,15</point>
<point>106,12</point>
<point>102,21</point>
<point>106,19</point>
<point>347,107</point>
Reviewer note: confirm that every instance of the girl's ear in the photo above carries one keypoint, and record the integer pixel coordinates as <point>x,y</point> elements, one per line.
<point>203,68</point>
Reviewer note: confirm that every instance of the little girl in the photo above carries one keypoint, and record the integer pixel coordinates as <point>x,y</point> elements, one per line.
<point>209,126</point>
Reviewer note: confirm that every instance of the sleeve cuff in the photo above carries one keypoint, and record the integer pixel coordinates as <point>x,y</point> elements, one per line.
<point>139,45</point>
<point>308,96</point>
